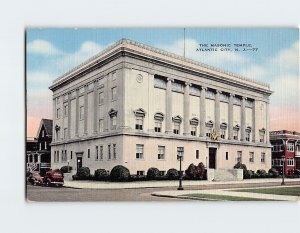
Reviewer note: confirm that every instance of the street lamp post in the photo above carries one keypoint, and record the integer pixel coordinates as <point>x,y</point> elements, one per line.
<point>68,166</point>
<point>180,156</point>
<point>283,169</point>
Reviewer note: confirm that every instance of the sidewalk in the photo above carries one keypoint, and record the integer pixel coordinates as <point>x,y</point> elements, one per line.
<point>164,183</point>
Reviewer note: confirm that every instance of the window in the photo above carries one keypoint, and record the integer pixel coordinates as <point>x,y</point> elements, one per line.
<point>277,162</point>
<point>247,136</point>
<point>235,134</point>
<point>176,129</point>
<point>81,113</point>
<point>139,123</point>
<point>261,138</point>
<point>239,157</point>
<point>290,162</point>
<point>139,151</point>
<point>193,130</point>
<point>101,152</point>
<point>54,157</point>
<point>114,151</point>
<point>262,157</point>
<point>101,125</point>
<point>159,82</point>
<point>226,155</point>
<point>97,153</point>
<point>251,157</point>
<point>43,133</point>
<point>114,93</point>
<point>57,133</point>
<point>113,122</point>
<point>101,97</point>
<point>180,152</point>
<point>65,110</point>
<point>57,156</point>
<point>65,133</point>
<point>45,145</point>
<point>71,155</point>
<point>58,113</point>
<point>223,133</point>
<point>197,154</point>
<point>89,153</point>
<point>277,147</point>
<point>157,127</point>
<point>64,156</point>
<point>290,147</point>
<point>109,152</point>
<point>208,132</point>
<point>40,146</point>
<point>140,173</point>
<point>161,152</point>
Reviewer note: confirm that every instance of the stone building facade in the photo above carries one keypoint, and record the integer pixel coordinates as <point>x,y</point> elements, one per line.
<point>139,106</point>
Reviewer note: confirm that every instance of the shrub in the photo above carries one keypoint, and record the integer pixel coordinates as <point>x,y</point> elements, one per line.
<point>83,173</point>
<point>261,173</point>
<point>152,173</point>
<point>138,178</point>
<point>248,174</point>
<point>273,172</point>
<point>100,174</point>
<point>119,173</point>
<point>196,172</point>
<point>240,165</point>
<point>172,174</point>
<point>65,169</point>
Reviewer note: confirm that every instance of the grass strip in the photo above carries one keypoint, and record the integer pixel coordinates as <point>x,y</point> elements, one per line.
<point>287,191</point>
<point>223,197</point>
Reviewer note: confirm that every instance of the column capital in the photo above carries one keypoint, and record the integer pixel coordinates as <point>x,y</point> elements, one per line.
<point>188,84</point>
<point>170,79</point>
<point>203,88</point>
<point>218,91</point>
<point>244,97</point>
<point>232,94</point>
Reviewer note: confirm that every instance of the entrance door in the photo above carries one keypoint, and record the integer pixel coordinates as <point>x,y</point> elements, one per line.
<point>79,162</point>
<point>212,158</point>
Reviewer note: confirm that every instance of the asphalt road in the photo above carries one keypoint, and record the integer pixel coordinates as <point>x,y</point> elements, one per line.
<point>50,194</point>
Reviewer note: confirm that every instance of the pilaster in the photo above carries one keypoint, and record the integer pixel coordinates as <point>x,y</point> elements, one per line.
<point>217,111</point>
<point>230,117</point>
<point>202,111</point>
<point>169,106</point>
<point>243,118</point>
<point>186,109</point>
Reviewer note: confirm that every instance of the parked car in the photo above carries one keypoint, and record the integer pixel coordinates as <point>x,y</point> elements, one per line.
<point>54,178</point>
<point>35,178</point>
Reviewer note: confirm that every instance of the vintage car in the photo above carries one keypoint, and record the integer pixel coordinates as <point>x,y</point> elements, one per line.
<point>35,179</point>
<point>54,178</point>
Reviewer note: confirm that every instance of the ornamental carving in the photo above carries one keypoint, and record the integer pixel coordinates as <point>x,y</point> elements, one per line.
<point>139,78</point>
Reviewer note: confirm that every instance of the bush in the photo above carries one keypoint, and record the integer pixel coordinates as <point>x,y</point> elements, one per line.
<point>172,174</point>
<point>196,172</point>
<point>119,173</point>
<point>138,178</point>
<point>152,173</point>
<point>100,174</point>
<point>273,173</point>
<point>262,173</point>
<point>64,169</point>
<point>240,165</point>
<point>248,174</point>
<point>83,173</point>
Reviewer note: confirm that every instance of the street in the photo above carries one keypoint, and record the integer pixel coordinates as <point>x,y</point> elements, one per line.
<point>49,194</point>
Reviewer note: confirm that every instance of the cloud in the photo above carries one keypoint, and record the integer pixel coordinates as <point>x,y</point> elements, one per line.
<point>42,47</point>
<point>37,78</point>
<point>39,103</point>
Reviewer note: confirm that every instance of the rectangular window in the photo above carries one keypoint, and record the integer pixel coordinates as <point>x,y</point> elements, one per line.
<point>251,157</point>
<point>157,127</point>
<point>109,152</point>
<point>262,157</point>
<point>113,120</point>
<point>290,162</point>
<point>193,130</point>
<point>247,136</point>
<point>114,151</point>
<point>114,93</point>
<point>57,157</point>
<point>71,155</point>
<point>57,134</point>
<point>223,133</point>
<point>226,155</point>
<point>208,132</point>
<point>81,113</point>
<point>176,129</point>
<point>45,145</point>
<point>58,113</point>
<point>89,153</point>
<point>197,154</point>
<point>101,152</point>
<point>40,147</point>
<point>161,152</point>
<point>180,152</point>
<point>65,110</point>
<point>277,147</point>
<point>54,157</point>
<point>101,126</point>
<point>235,134</point>
<point>261,137</point>
<point>290,147</point>
<point>101,97</point>
<point>139,151</point>
<point>65,133</point>
<point>139,123</point>
<point>97,153</point>
<point>140,173</point>
<point>239,157</point>
<point>160,83</point>
<point>43,133</point>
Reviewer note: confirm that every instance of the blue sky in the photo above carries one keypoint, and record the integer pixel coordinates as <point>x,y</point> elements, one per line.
<point>52,52</point>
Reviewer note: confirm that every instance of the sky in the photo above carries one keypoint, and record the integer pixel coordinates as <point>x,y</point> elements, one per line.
<point>272,56</point>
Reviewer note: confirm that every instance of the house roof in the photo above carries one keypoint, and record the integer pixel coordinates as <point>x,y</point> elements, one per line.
<point>48,125</point>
